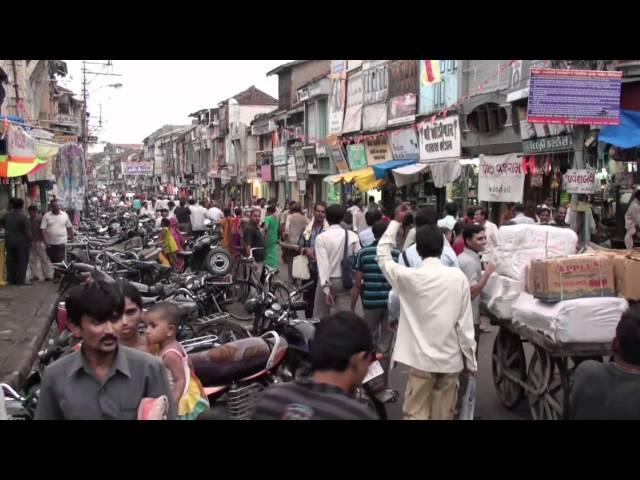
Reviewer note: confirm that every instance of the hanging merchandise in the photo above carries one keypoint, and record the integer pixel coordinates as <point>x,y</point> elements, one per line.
<point>555,179</point>
<point>547,165</point>
<point>70,176</point>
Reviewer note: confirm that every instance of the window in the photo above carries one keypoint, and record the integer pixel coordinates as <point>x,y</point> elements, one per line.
<point>63,108</point>
<point>487,118</point>
<point>323,118</point>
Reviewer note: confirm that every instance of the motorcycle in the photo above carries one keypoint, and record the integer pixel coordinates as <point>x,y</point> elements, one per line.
<point>203,253</point>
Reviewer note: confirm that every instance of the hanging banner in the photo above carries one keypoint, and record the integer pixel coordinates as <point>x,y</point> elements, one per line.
<point>378,151</point>
<point>500,179</point>
<point>333,194</point>
<point>579,181</point>
<point>439,140</point>
<point>353,114</point>
<point>357,156</point>
<point>301,164</point>
<point>338,157</point>
<point>265,173</point>
<point>375,95</point>
<point>402,109</point>
<point>19,143</point>
<point>574,97</point>
<point>291,169</point>
<point>337,96</point>
<point>280,173</point>
<point>404,144</point>
<point>279,156</point>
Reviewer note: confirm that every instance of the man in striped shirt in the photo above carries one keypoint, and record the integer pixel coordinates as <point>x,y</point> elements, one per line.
<point>340,354</point>
<point>370,284</point>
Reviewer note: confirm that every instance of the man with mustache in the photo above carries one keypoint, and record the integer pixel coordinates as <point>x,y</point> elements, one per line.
<point>102,380</point>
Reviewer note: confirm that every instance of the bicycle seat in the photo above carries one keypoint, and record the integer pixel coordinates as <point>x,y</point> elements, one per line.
<point>231,361</point>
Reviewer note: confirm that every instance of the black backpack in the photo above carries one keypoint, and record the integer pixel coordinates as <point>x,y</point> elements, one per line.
<point>346,264</point>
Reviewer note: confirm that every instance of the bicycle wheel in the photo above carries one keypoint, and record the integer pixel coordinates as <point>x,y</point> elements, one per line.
<point>280,290</point>
<point>243,290</point>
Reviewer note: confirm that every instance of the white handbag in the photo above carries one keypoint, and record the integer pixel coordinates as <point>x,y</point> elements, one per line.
<point>300,268</point>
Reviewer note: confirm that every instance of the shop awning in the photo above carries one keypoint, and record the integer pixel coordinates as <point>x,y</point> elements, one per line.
<point>16,167</point>
<point>408,174</point>
<point>382,169</point>
<point>363,178</point>
<point>625,135</point>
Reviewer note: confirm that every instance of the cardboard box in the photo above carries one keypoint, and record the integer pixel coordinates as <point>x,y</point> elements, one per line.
<point>627,276</point>
<point>575,276</point>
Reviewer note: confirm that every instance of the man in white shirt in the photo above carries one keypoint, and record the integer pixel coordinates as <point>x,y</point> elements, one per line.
<point>632,220</point>
<point>331,295</point>
<point>366,236</point>
<point>162,203</point>
<point>411,258</point>
<point>572,219</point>
<point>520,217</point>
<point>214,213</point>
<point>449,221</point>
<point>357,212</point>
<point>56,227</point>
<point>490,228</point>
<point>475,241</point>
<point>198,216</point>
<point>144,210</point>
<point>435,331</point>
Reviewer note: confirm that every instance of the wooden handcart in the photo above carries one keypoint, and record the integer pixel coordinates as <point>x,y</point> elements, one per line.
<point>546,380</point>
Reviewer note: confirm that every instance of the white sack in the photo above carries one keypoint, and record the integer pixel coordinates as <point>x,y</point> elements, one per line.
<point>500,293</point>
<point>583,320</point>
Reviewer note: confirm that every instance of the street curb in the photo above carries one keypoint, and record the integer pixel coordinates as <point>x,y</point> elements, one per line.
<point>17,378</point>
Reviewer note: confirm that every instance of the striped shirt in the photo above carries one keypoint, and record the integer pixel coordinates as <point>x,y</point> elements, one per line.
<point>307,400</point>
<point>375,288</point>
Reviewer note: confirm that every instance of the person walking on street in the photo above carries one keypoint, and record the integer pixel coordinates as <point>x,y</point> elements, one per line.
<point>102,380</point>
<point>559,218</point>
<point>253,238</point>
<point>183,215</point>
<point>144,210</point>
<point>307,244</point>
<point>632,220</point>
<point>490,228</point>
<point>435,332</point>
<point>520,217</point>
<point>449,221</point>
<point>331,295</point>
<point>56,228</point>
<point>340,356</point>
<point>357,212</point>
<point>372,205</point>
<point>18,241</point>
<point>295,224</point>
<point>475,241</point>
<point>458,241</point>
<point>214,213</point>
<point>283,218</point>
<point>225,223</point>
<point>137,204</point>
<point>366,236</point>
<point>271,233</point>
<point>38,260</point>
<point>611,390</point>
<point>198,216</point>
<point>370,284</point>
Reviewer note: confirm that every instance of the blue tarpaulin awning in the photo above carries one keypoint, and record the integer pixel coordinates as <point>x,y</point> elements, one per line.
<point>625,135</point>
<point>383,168</point>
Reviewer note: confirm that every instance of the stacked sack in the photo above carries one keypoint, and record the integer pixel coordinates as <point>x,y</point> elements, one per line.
<point>517,246</point>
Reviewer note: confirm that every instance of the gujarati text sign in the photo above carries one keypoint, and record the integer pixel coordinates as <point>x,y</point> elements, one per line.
<point>579,181</point>
<point>500,179</point>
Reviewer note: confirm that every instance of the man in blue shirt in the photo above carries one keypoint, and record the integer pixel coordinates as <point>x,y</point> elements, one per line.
<point>371,284</point>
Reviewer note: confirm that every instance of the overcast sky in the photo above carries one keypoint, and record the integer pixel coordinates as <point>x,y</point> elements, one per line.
<point>159,92</point>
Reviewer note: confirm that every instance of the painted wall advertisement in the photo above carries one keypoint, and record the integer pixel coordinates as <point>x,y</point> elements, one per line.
<point>500,178</point>
<point>291,169</point>
<point>353,114</point>
<point>357,156</point>
<point>279,156</point>
<point>337,96</point>
<point>19,143</point>
<point>574,97</point>
<point>378,151</point>
<point>404,144</point>
<point>402,109</point>
<point>439,140</point>
<point>579,181</point>
<point>301,164</point>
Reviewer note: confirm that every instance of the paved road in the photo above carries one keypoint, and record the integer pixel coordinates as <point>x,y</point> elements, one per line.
<point>488,407</point>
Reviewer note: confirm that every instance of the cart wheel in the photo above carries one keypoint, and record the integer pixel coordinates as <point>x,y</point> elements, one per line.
<point>508,356</point>
<point>546,388</point>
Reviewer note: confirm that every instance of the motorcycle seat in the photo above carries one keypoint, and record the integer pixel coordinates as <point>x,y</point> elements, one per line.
<point>150,265</point>
<point>185,253</point>
<point>231,362</point>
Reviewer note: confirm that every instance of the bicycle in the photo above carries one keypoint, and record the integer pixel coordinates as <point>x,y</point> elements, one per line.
<point>249,285</point>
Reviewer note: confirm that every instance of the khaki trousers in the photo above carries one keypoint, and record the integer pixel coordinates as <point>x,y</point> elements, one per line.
<point>39,265</point>
<point>341,299</point>
<point>430,396</point>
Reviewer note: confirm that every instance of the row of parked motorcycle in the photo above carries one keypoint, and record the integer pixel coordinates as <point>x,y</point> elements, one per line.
<point>235,357</point>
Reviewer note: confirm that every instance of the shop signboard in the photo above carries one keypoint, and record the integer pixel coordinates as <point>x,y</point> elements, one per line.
<point>353,114</point>
<point>500,178</point>
<point>333,194</point>
<point>19,143</point>
<point>375,82</point>
<point>357,156</point>
<point>300,164</point>
<point>280,173</point>
<point>553,144</point>
<point>337,96</point>
<point>402,109</point>
<point>404,144</point>
<point>279,156</point>
<point>378,151</point>
<point>291,168</point>
<point>439,140</point>
<point>137,168</point>
<point>311,159</point>
<point>338,157</point>
<point>580,181</point>
<point>265,173</point>
<point>574,97</point>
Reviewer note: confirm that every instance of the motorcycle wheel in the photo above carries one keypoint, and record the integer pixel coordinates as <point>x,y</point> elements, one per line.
<point>218,262</point>
<point>365,397</point>
<point>226,330</point>
<point>281,292</point>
